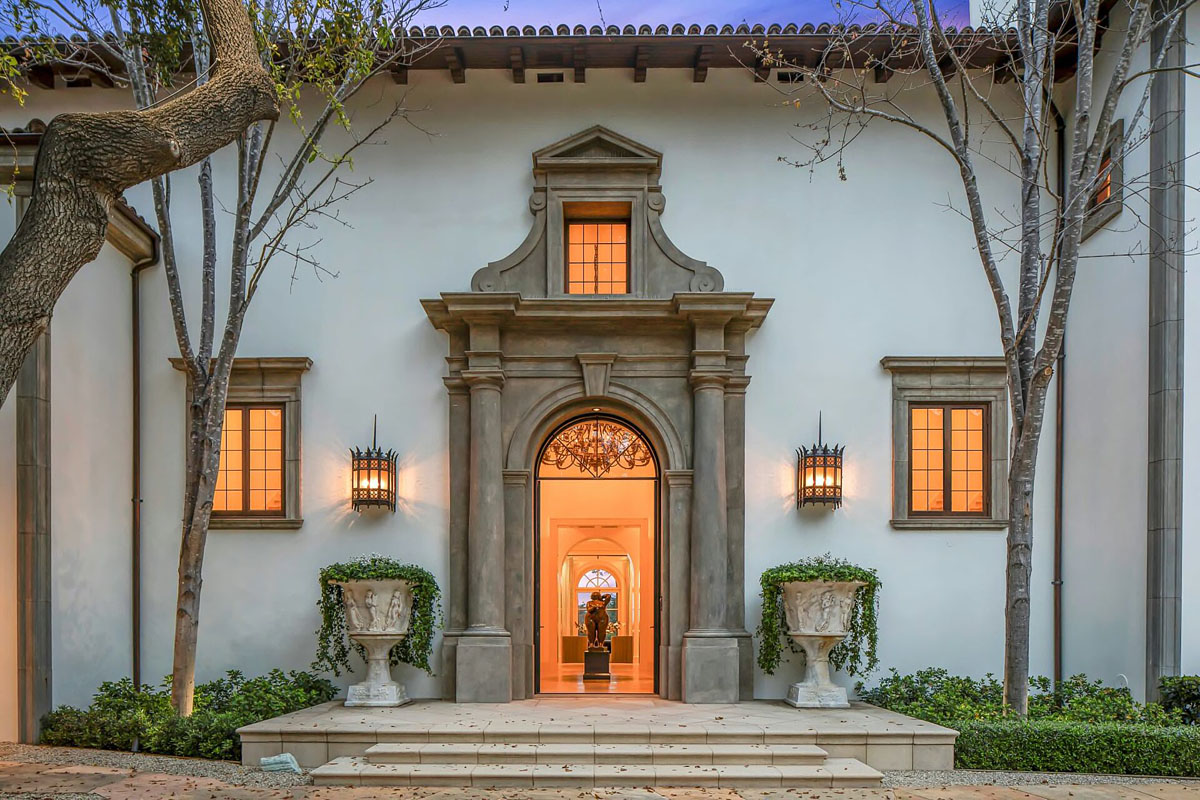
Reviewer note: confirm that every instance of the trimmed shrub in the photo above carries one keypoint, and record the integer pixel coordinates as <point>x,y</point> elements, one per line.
<point>1182,694</point>
<point>935,695</point>
<point>1065,746</point>
<point>122,717</point>
<point>1078,726</point>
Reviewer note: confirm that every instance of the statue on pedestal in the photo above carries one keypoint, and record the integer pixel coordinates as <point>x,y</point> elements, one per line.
<point>596,618</point>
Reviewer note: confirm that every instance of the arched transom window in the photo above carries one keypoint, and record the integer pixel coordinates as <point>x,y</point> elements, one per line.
<point>597,447</point>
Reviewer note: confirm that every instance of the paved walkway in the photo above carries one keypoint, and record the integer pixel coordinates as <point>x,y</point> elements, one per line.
<point>80,782</point>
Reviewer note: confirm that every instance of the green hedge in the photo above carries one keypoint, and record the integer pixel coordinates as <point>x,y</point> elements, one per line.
<point>1076,726</point>
<point>123,717</point>
<point>1182,694</point>
<point>1063,746</point>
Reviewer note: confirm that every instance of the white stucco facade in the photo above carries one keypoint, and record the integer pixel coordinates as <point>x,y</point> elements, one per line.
<point>870,267</point>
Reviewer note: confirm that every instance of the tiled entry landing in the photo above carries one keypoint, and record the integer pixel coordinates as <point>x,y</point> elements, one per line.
<point>594,741</point>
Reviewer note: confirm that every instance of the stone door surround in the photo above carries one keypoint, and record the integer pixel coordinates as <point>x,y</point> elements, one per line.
<point>669,357</point>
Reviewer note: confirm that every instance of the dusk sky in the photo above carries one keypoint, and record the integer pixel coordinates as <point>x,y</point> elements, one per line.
<point>637,12</point>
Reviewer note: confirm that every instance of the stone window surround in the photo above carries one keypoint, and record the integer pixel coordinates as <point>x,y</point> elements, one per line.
<point>270,380</point>
<point>1096,218</point>
<point>949,379</point>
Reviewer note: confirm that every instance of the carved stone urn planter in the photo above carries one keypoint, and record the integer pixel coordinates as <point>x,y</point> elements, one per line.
<point>818,617</point>
<point>377,617</point>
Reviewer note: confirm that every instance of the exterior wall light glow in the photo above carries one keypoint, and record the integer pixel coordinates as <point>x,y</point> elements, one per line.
<point>373,475</point>
<point>819,473</point>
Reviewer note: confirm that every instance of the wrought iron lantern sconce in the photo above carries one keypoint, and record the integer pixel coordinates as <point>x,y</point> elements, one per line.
<point>373,475</point>
<point>819,473</point>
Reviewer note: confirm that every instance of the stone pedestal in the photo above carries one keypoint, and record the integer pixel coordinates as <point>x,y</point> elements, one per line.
<point>377,617</point>
<point>378,690</point>
<point>710,669</point>
<point>483,672</point>
<point>818,617</point>
<point>595,665</point>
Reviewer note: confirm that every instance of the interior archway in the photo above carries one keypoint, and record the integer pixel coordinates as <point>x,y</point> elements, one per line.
<point>597,530</point>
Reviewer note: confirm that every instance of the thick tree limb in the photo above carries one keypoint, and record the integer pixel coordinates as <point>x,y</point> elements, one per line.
<point>86,161</point>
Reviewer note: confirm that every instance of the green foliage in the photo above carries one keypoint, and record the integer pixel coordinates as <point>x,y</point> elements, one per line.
<point>123,717</point>
<point>1078,726</point>
<point>935,695</point>
<point>856,654</point>
<point>1182,694</point>
<point>1055,745</point>
<point>333,645</point>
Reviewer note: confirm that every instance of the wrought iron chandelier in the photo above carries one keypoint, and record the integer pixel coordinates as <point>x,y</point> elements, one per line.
<point>595,446</point>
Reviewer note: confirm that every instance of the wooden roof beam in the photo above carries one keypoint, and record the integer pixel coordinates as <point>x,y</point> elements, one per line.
<point>579,61</point>
<point>516,59</point>
<point>41,76</point>
<point>704,55</point>
<point>641,61</point>
<point>762,70</point>
<point>456,64</point>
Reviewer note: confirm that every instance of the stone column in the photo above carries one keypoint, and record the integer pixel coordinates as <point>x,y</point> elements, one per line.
<point>517,571</point>
<point>460,498</point>
<point>1167,223</point>
<point>483,671</point>
<point>710,653</point>
<point>676,578</point>
<point>735,493</point>
<point>35,663</point>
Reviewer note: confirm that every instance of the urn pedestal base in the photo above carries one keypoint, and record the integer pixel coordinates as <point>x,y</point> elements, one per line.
<point>377,695</point>
<point>801,695</point>
<point>817,690</point>
<point>378,690</point>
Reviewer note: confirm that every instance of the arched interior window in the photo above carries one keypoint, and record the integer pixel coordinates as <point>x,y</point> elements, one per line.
<point>603,581</point>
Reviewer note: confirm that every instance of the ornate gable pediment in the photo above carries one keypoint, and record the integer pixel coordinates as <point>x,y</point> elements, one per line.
<point>599,166</point>
<point>596,147</point>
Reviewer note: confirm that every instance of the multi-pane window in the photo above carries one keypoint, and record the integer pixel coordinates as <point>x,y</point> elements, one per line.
<point>1104,190</point>
<point>598,257</point>
<point>948,457</point>
<point>250,480</point>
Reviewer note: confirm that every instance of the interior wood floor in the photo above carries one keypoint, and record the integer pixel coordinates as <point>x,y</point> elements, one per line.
<point>568,679</point>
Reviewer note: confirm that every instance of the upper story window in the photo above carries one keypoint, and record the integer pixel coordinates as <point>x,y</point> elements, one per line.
<point>250,479</point>
<point>597,248</point>
<point>1108,195</point>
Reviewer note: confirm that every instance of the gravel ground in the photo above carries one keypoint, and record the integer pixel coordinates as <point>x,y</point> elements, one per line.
<point>231,773</point>
<point>976,777</point>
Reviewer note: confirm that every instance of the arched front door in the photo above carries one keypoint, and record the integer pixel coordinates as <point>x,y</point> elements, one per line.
<point>596,530</point>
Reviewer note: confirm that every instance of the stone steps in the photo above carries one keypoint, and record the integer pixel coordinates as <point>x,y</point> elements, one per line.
<point>567,753</point>
<point>832,773</point>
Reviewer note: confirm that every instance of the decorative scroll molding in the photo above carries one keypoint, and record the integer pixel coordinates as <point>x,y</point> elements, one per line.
<point>597,165</point>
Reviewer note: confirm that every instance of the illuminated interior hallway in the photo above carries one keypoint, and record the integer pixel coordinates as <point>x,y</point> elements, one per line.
<point>597,533</point>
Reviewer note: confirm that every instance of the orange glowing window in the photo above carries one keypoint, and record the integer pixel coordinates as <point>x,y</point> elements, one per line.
<point>250,478</point>
<point>598,257</point>
<point>948,459</point>
<point>1104,190</point>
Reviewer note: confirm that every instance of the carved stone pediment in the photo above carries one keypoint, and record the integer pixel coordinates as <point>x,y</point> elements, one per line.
<point>597,166</point>
<point>597,148</point>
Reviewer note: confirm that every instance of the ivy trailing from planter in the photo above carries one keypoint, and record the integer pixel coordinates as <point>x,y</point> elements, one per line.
<point>856,654</point>
<point>333,645</point>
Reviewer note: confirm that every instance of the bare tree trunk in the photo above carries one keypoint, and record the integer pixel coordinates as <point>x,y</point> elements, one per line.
<point>86,161</point>
<point>1016,588</point>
